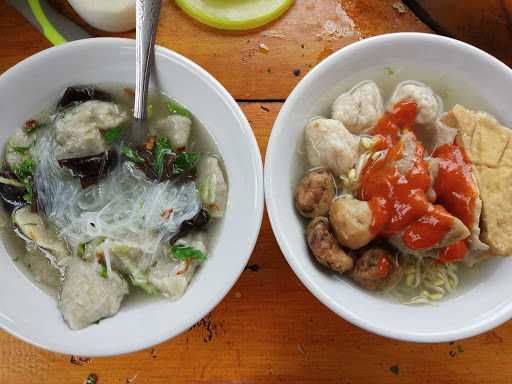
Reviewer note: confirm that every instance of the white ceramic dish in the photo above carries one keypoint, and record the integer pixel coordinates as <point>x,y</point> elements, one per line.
<point>485,301</point>
<point>31,314</point>
<point>111,16</point>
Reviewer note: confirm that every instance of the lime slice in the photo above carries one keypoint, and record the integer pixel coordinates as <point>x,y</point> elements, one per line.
<point>235,14</point>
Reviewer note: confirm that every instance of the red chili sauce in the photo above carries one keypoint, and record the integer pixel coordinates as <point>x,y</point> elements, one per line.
<point>455,190</point>
<point>398,199</point>
<point>383,267</point>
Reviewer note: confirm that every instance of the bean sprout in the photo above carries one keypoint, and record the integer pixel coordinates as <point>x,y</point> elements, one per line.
<point>426,281</point>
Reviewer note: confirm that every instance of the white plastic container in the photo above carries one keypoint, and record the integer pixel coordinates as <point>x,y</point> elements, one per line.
<point>107,15</point>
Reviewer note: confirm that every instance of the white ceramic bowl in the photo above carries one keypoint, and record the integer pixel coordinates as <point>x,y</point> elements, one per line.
<point>483,302</point>
<point>31,314</point>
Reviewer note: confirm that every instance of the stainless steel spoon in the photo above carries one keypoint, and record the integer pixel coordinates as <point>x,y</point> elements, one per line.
<point>147,15</point>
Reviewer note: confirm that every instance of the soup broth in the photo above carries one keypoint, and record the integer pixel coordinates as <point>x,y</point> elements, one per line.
<point>195,163</point>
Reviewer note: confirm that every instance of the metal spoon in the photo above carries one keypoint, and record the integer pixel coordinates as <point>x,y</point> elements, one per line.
<point>147,15</point>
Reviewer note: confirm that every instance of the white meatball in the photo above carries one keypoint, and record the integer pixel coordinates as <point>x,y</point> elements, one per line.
<point>445,133</point>
<point>18,148</point>
<point>458,231</point>
<point>329,144</point>
<point>130,260</point>
<point>212,186</point>
<point>360,108</point>
<point>176,128</point>
<point>86,297</point>
<point>171,277</point>
<point>408,159</point>
<point>430,106</point>
<point>79,131</point>
<point>434,135</point>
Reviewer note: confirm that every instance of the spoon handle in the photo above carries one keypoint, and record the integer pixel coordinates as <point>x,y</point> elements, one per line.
<point>147,14</point>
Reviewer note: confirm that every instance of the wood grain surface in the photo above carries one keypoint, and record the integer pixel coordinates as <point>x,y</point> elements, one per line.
<point>485,24</point>
<point>310,31</point>
<point>269,328</point>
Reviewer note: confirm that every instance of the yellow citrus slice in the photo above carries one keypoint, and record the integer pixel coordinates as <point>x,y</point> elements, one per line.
<point>235,14</point>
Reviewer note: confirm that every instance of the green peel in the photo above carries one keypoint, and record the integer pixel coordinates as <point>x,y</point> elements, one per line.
<point>235,14</point>
<point>49,30</point>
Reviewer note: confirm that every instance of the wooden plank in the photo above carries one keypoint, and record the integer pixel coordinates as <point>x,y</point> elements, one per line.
<point>18,39</point>
<point>270,329</point>
<point>311,30</point>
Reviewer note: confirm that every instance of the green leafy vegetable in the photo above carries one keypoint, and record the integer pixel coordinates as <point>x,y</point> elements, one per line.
<point>40,126</point>
<point>113,134</point>
<point>14,183</point>
<point>81,249</point>
<point>183,252</point>
<point>207,188</point>
<point>24,173</point>
<point>23,150</point>
<point>103,271</point>
<point>185,162</point>
<point>177,109</point>
<point>389,71</point>
<point>30,191</point>
<point>131,154</point>
<point>91,379</point>
<point>25,169</point>
<point>162,147</point>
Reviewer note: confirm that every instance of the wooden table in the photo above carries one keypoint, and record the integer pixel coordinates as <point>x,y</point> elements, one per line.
<point>269,328</point>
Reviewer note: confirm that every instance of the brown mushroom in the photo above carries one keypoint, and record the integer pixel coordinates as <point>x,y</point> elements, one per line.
<point>351,220</point>
<point>324,246</point>
<point>377,270</point>
<point>314,193</point>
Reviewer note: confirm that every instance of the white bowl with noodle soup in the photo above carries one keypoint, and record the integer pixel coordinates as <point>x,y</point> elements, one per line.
<point>110,246</point>
<point>358,184</point>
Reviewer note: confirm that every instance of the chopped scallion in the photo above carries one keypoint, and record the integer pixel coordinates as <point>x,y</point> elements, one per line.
<point>185,162</point>
<point>131,154</point>
<point>183,252</point>
<point>162,147</point>
<point>113,134</point>
<point>103,271</point>
<point>177,109</point>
